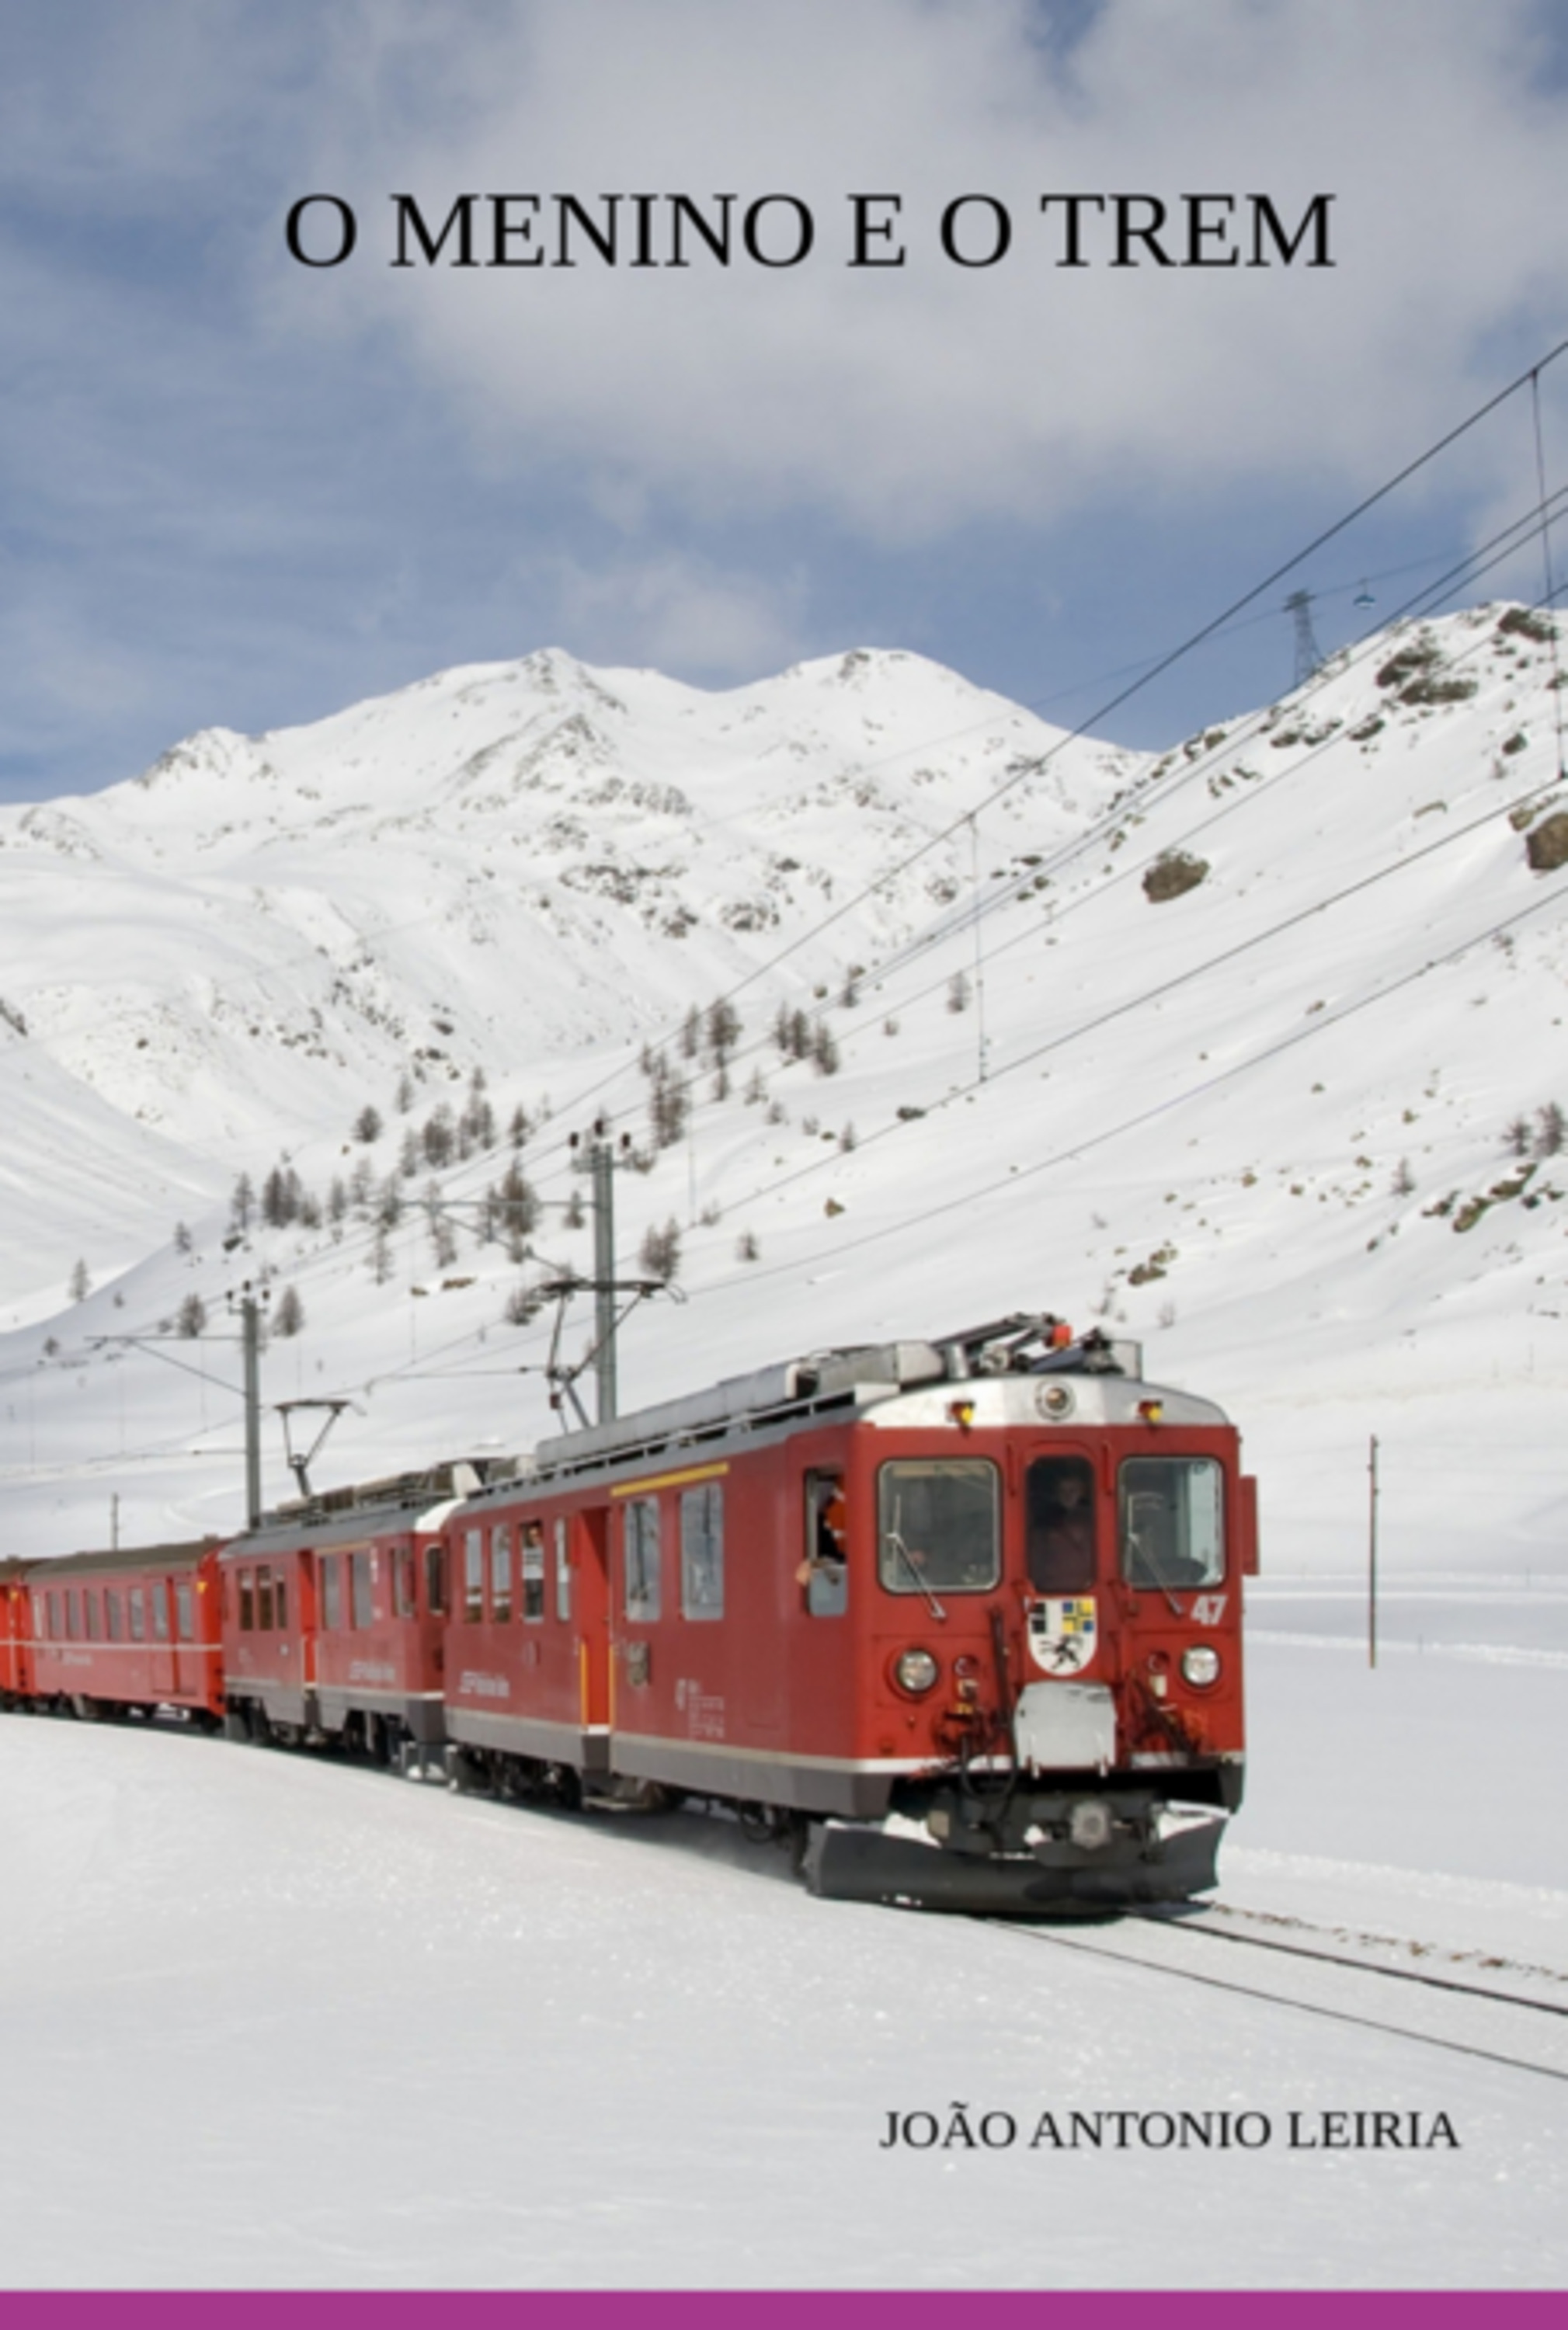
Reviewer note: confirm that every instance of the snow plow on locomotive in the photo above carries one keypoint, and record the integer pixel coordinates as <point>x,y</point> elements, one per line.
<point>960,1620</point>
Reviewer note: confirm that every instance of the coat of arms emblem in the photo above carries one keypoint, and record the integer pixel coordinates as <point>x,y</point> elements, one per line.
<point>1062,1632</point>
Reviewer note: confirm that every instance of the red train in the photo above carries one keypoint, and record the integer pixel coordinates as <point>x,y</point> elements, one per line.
<point>963,1618</point>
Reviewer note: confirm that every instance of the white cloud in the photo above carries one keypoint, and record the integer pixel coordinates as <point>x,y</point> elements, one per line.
<point>904,402</point>
<point>676,612</point>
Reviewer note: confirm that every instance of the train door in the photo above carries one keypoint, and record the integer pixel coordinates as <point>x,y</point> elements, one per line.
<point>587,1584</point>
<point>305,1629</point>
<point>163,1663</point>
<point>1067,1660</point>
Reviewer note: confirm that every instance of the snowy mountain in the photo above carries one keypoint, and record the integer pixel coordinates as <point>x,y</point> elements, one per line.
<point>1254,1048</point>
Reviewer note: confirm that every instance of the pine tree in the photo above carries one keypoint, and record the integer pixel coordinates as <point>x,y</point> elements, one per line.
<point>660,1251</point>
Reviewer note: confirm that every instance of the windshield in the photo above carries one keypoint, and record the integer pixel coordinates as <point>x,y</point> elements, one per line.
<point>937,1526</point>
<point>1059,1540</point>
<point>1172,1522</point>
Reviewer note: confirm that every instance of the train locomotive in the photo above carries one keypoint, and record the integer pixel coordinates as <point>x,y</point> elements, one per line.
<point>960,1619</point>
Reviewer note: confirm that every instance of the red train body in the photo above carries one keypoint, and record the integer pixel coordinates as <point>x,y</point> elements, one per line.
<point>134,1629</point>
<point>335,1619</point>
<point>966,1617</point>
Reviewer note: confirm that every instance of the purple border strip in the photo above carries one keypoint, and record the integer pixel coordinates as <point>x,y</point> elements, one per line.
<point>778,2309</point>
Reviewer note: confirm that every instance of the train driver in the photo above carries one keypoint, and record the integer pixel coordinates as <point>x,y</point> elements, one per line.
<point>1061,1526</point>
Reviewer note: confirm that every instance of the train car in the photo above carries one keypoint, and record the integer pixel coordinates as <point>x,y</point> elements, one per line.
<point>970,1610</point>
<point>528,1669</point>
<point>335,1618</point>
<point>15,1651</point>
<point>124,1632</point>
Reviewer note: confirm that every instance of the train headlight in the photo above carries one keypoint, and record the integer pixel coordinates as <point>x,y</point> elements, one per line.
<point>1089,1825</point>
<point>915,1671</point>
<point>1201,1666</point>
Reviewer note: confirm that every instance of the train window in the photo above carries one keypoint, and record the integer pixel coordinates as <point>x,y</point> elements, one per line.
<point>1172,1522</point>
<point>405,1578</point>
<point>72,1626</point>
<point>184,1610</point>
<point>361,1591</point>
<point>160,1599</point>
<point>826,1569</point>
<point>139,1615</point>
<point>1059,1545</point>
<point>563,1572</point>
<point>436,1579</point>
<point>331,1594</point>
<point>937,1525</point>
<point>640,1537</point>
<point>702,1551</point>
<point>247,1602</point>
<point>473,1576</point>
<point>40,1626</point>
<point>90,1614</point>
<point>280,1601</point>
<point>501,1574</point>
<point>264,1601</point>
<point>533,1566</point>
<point>114,1615</point>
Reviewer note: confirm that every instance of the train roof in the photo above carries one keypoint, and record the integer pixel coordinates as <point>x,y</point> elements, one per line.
<point>119,1560</point>
<point>1000,1363</point>
<point>396,1502</point>
<point>885,1381</point>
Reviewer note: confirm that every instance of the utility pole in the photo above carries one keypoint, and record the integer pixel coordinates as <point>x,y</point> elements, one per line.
<point>979,957</point>
<point>250,1345</point>
<point>1371,1557</point>
<point>602,1164</point>
<point>600,1156</point>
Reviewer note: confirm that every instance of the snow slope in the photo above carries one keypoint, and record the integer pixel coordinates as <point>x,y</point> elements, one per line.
<point>1263,1120</point>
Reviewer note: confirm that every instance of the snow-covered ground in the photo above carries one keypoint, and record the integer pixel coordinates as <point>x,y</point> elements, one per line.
<point>282,2022</point>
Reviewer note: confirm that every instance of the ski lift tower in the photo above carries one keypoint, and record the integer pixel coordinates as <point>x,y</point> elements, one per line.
<point>1309,655</point>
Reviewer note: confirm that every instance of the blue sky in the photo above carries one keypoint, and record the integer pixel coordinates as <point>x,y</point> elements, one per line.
<point>240,491</point>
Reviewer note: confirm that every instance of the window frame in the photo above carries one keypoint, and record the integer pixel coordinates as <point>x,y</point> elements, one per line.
<point>640,1531</point>
<point>1074,1463</point>
<point>895,1574</point>
<point>702,1524</point>
<point>1215,1571</point>
<point>531,1573</point>
<point>501,1597</point>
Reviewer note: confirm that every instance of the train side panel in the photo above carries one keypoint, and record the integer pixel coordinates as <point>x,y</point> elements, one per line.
<point>134,1628</point>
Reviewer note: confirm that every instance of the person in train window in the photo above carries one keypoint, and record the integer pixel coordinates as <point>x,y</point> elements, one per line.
<point>827,1556</point>
<point>824,1572</point>
<point>1060,1549</point>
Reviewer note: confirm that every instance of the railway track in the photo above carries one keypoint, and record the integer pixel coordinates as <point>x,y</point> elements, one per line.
<point>1344,1978</point>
